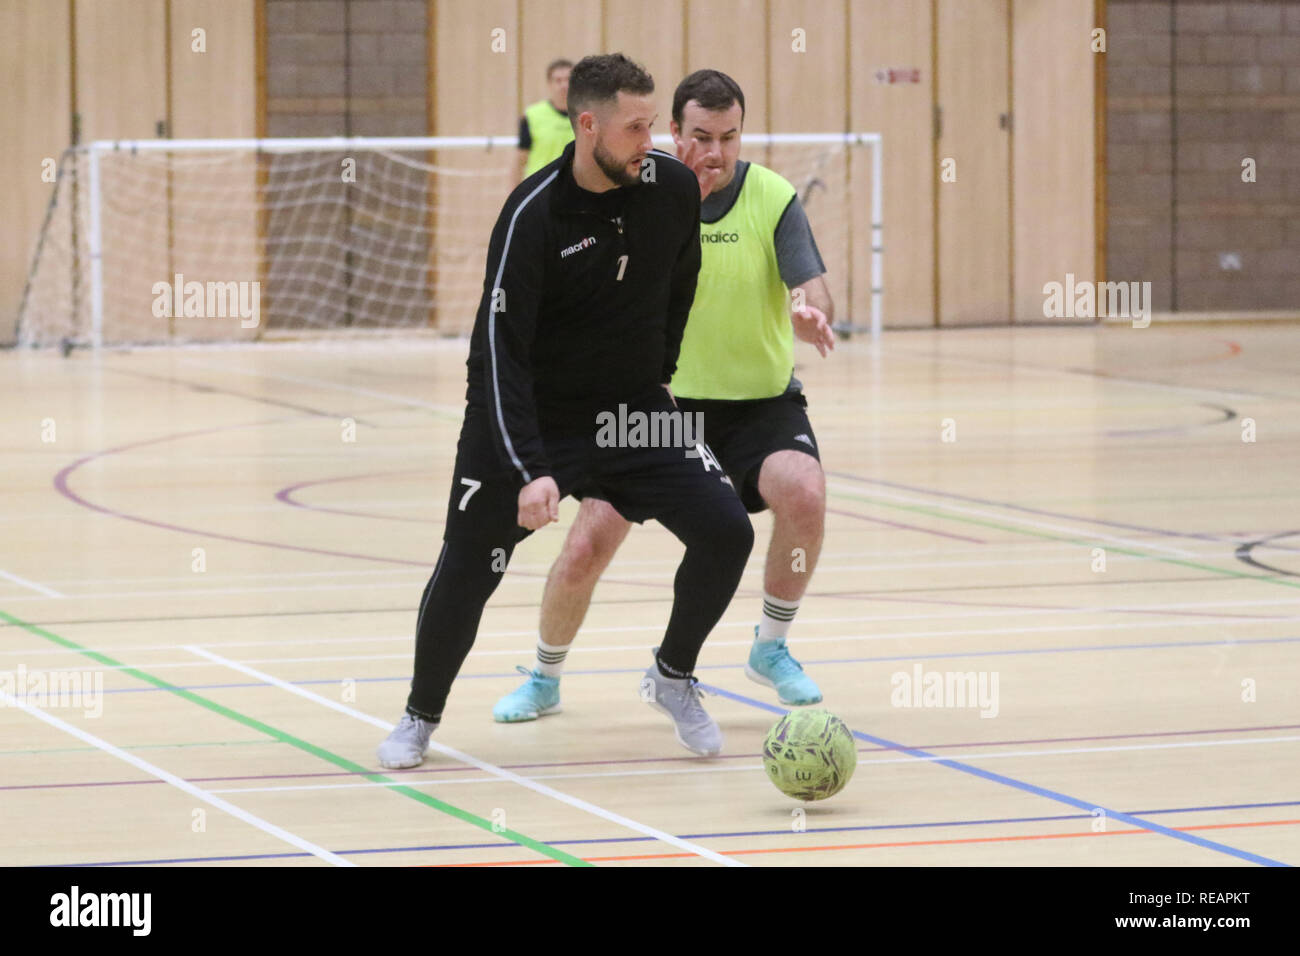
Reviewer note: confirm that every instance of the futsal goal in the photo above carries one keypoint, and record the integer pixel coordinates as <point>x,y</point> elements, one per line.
<point>182,241</point>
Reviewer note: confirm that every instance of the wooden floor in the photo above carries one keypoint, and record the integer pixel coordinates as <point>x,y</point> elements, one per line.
<point>190,531</point>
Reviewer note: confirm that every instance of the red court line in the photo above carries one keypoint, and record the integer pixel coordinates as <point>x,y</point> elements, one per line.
<point>878,846</point>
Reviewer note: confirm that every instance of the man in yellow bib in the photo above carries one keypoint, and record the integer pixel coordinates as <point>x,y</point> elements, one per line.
<point>544,129</point>
<point>760,285</point>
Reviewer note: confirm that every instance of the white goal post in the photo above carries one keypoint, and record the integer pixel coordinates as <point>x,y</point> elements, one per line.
<point>174,241</point>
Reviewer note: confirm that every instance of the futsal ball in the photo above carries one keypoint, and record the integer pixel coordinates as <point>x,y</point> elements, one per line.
<point>809,754</point>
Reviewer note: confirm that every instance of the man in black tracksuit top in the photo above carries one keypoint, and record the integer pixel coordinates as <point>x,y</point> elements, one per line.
<point>591,273</point>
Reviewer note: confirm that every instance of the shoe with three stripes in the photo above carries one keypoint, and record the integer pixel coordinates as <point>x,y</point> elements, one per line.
<point>771,665</point>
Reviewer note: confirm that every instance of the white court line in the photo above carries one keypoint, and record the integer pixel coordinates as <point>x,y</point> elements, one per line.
<point>269,828</point>
<point>41,588</point>
<point>845,638</point>
<point>744,623</point>
<point>474,761</point>
<point>755,570</point>
<point>758,767</point>
<point>666,563</point>
<point>1014,519</point>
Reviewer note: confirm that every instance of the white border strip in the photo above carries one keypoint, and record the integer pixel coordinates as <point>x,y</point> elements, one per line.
<point>475,762</point>
<point>268,828</point>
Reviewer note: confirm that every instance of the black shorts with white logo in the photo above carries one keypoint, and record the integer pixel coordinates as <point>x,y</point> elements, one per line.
<point>743,433</point>
<point>640,481</point>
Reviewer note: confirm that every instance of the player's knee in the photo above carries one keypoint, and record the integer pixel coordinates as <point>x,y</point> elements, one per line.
<point>732,535</point>
<point>801,500</point>
<point>581,561</point>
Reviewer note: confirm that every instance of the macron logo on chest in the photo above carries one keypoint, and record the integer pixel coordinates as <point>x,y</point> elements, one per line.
<point>578,247</point>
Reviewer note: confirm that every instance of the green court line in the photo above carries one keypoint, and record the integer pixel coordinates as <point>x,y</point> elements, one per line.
<point>1086,542</point>
<point>280,735</point>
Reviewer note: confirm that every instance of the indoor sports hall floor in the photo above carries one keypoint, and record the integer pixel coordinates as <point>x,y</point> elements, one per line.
<point>1146,713</point>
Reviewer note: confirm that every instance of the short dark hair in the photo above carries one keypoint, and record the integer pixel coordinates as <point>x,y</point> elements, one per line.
<point>599,79</point>
<point>556,65</point>
<point>712,89</point>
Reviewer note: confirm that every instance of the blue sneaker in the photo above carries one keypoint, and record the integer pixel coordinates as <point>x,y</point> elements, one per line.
<point>771,665</point>
<point>537,697</point>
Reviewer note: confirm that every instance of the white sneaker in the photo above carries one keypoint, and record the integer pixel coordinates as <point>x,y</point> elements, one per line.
<point>407,743</point>
<point>680,700</point>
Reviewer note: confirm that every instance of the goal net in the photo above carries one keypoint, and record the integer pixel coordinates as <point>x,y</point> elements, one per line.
<point>179,241</point>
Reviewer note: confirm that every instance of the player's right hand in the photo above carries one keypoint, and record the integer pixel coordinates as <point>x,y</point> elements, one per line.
<point>707,175</point>
<point>539,503</point>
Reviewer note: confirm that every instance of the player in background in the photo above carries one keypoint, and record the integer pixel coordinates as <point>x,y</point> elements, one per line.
<point>590,274</point>
<point>736,366</point>
<point>544,129</point>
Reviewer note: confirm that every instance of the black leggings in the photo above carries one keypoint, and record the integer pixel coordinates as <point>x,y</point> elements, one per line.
<point>718,539</point>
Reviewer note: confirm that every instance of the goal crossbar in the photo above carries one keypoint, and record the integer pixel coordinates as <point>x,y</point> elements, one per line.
<point>94,198</point>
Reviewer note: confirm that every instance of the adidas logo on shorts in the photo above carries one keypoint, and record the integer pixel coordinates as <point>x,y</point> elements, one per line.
<point>806,440</point>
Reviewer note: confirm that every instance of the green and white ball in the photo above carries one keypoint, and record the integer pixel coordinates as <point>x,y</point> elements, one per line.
<point>809,754</point>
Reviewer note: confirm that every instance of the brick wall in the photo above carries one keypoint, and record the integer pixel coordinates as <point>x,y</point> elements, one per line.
<point>346,66</point>
<point>1193,89</point>
<point>336,68</point>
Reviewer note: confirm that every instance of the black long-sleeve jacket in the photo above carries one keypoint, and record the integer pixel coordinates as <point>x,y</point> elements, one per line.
<point>584,302</point>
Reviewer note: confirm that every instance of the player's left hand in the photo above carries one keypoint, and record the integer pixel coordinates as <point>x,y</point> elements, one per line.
<point>707,175</point>
<point>811,325</point>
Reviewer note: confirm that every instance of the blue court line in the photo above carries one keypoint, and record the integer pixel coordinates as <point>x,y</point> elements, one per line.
<point>784,831</point>
<point>1036,790</point>
<point>570,672</point>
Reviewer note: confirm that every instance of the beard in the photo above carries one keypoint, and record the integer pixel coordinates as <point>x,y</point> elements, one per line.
<point>612,168</point>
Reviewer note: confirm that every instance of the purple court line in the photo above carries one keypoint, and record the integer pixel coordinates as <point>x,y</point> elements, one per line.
<point>1228,415</point>
<point>61,485</point>
<point>1160,532</point>
<point>907,527</point>
<point>286,495</point>
<point>784,831</point>
<point>631,761</point>
<point>901,599</point>
<point>1024,786</point>
<point>898,747</point>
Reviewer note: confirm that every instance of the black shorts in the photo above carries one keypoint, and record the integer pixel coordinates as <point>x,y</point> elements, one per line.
<point>743,433</point>
<point>640,482</point>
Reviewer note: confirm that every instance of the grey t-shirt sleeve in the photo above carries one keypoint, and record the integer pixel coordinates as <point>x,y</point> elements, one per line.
<point>797,257</point>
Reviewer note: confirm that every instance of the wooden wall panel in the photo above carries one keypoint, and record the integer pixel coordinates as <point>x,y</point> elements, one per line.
<point>121,73</point>
<point>476,89</point>
<point>122,94</point>
<point>215,218</point>
<point>884,34</point>
<point>807,92</point>
<point>35,124</point>
<point>974,210</point>
<point>1053,181</point>
<point>213,93</point>
<point>731,36</point>
<point>651,34</point>
<point>476,93</point>
<point>551,29</point>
